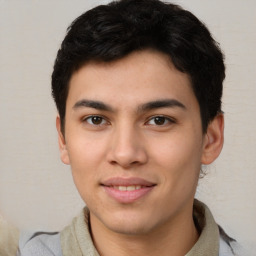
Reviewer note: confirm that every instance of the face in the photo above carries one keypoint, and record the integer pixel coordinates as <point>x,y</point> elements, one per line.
<point>133,137</point>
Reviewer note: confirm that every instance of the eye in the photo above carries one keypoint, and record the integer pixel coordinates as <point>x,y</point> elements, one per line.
<point>95,120</point>
<point>160,121</point>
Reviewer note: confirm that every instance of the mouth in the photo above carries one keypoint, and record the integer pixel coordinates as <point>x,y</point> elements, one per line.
<point>127,190</point>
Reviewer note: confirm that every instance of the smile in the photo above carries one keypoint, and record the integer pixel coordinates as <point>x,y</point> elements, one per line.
<point>127,188</point>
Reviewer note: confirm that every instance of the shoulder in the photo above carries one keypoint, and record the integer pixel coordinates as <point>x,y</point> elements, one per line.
<point>39,244</point>
<point>229,246</point>
<point>225,249</point>
<point>212,238</point>
<point>61,243</point>
<point>232,248</point>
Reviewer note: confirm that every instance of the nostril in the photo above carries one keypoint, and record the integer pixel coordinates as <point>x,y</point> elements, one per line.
<point>126,152</point>
<point>125,165</point>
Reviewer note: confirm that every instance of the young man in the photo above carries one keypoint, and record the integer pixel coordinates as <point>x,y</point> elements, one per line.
<point>138,86</point>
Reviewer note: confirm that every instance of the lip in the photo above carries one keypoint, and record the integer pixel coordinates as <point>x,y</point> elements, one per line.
<point>118,181</point>
<point>127,196</point>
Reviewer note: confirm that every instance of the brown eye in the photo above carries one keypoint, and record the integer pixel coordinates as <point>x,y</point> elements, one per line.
<point>160,121</point>
<point>95,120</point>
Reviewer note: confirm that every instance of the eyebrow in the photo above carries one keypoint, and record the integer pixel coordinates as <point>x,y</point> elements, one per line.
<point>92,104</point>
<point>143,108</point>
<point>161,104</point>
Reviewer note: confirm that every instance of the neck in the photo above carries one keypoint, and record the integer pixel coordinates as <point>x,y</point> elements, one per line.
<point>177,236</point>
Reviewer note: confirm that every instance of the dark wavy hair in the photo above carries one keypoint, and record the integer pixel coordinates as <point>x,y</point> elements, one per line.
<point>111,32</point>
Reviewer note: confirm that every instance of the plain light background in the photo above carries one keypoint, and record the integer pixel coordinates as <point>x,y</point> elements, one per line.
<point>36,189</point>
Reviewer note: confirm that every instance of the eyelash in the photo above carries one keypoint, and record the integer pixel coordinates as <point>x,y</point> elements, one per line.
<point>95,116</point>
<point>167,120</point>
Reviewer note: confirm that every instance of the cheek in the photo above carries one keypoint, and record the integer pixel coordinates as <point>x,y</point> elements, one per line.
<point>84,161</point>
<point>85,148</point>
<point>85,156</point>
<point>179,157</point>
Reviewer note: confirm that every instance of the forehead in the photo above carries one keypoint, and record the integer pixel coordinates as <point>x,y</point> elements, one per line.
<point>139,77</point>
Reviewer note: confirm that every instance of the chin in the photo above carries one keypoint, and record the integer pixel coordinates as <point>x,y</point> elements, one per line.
<point>130,230</point>
<point>129,224</point>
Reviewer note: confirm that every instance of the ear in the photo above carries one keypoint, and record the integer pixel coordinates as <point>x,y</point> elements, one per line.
<point>213,140</point>
<point>62,143</point>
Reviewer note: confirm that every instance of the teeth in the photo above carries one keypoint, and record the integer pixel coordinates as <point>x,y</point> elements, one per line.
<point>127,188</point>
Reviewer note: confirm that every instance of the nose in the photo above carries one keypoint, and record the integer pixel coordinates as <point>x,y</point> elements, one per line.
<point>127,148</point>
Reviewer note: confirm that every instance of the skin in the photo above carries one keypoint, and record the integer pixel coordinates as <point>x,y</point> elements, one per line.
<point>131,137</point>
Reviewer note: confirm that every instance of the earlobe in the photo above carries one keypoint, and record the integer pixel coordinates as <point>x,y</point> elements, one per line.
<point>62,143</point>
<point>214,139</point>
